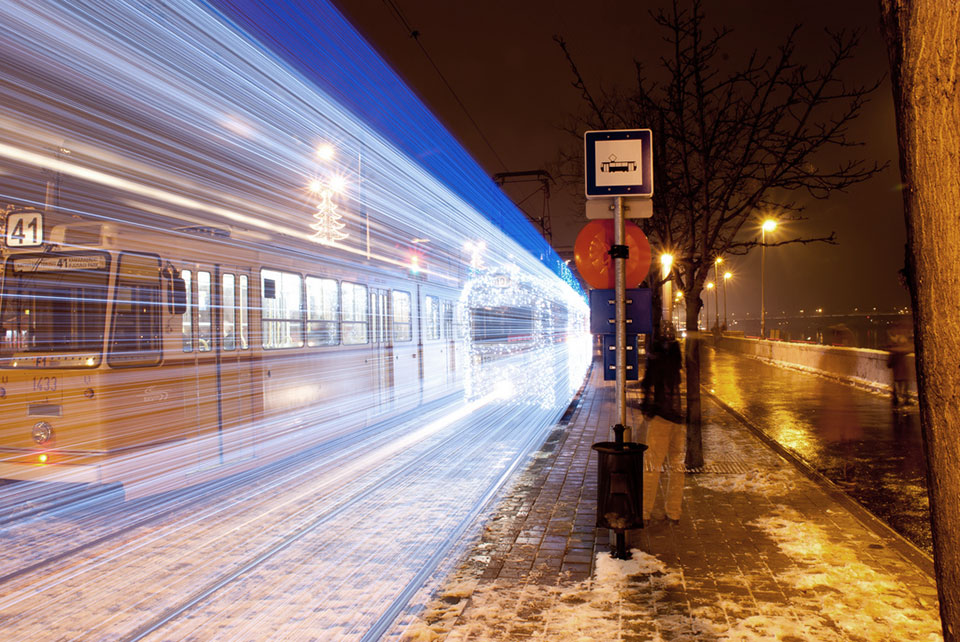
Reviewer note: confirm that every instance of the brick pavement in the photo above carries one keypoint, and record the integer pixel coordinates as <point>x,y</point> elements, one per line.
<point>761,552</point>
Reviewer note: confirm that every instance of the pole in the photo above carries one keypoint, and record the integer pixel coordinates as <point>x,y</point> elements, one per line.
<point>620,266</point>
<point>716,295</point>
<point>763,263</point>
<point>667,293</point>
<point>725,301</point>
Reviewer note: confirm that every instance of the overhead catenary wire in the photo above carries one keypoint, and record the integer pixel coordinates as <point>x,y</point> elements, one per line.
<point>415,34</point>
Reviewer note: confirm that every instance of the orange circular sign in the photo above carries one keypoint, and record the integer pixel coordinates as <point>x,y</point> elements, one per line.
<point>591,254</point>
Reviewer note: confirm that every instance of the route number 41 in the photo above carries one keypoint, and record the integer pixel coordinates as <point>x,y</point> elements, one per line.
<point>24,228</point>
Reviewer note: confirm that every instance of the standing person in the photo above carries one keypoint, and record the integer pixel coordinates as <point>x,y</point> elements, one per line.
<point>672,364</point>
<point>897,362</point>
<point>666,440</point>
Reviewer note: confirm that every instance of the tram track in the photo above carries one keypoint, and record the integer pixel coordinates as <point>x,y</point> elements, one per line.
<point>230,559</point>
<point>414,584</point>
<point>216,584</point>
<point>184,500</point>
<point>318,511</point>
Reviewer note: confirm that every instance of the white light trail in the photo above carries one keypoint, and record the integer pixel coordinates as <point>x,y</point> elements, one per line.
<point>179,333</point>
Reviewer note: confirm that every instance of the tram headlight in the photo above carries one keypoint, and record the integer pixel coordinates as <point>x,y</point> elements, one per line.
<point>42,432</point>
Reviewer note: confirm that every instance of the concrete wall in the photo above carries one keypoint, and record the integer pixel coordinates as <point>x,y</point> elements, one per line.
<point>858,366</point>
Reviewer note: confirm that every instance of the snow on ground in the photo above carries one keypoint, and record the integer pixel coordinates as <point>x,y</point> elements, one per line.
<point>868,604</point>
<point>758,482</point>
<point>841,599</point>
<point>830,591</point>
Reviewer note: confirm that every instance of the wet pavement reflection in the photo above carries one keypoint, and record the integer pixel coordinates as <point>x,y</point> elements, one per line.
<point>853,437</point>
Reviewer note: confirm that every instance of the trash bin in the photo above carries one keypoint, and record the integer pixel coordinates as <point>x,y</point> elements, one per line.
<point>620,489</point>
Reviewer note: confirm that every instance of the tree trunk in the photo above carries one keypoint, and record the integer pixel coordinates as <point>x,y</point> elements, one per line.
<point>692,365</point>
<point>923,40</point>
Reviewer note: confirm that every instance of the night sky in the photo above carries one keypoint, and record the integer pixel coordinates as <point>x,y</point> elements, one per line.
<point>501,60</point>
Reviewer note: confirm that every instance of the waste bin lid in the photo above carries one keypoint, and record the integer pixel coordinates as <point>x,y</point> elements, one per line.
<point>614,447</point>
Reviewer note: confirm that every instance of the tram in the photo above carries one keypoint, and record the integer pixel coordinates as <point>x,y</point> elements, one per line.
<point>176,305</point>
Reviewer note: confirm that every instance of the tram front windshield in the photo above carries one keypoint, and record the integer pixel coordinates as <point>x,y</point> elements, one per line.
<point>502,325</point>
<point>54,303</point>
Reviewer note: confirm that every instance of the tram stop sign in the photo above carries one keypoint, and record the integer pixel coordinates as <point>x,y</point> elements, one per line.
<point>618,162</point>
<point>591,254</point>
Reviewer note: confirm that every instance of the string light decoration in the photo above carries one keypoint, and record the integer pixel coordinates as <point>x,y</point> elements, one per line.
<point>328,228</point>
<point>514,329</point>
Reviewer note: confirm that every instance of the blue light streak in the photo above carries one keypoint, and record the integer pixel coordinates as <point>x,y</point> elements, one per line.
<point>314,38</point>
<point>170,136</point>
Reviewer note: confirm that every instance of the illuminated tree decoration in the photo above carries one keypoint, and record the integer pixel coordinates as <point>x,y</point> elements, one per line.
<point>328,228</point>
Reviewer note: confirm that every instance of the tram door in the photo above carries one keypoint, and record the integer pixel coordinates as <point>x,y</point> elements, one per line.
<point>237,426</point>
<point>383,347</point>
<point>451,342</point>
<point>224,364</point>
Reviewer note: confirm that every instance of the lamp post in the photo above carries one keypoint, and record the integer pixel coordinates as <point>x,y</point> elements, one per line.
<point>677,299</point>
<point>768,226</point>
<point>666,264</point>
<point>716,293</point>
<point>706,303</point>
<point>726,277</point>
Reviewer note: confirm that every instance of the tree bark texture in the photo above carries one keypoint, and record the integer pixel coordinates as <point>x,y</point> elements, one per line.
<point>923,40</point>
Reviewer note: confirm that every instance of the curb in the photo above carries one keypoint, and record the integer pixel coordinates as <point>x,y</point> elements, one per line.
<point>898,542</point>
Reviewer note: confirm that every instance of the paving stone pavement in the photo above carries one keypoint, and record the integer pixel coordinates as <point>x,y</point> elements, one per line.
<point>760,553</point>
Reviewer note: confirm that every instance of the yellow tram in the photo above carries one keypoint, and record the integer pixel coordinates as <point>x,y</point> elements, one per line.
<point>158,360</point>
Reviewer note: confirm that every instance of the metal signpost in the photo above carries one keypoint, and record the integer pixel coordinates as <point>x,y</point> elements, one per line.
<point>619,163</point>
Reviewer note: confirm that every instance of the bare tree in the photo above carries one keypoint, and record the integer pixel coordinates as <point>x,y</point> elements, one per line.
<point>731,143</point>
<point>923,40</point>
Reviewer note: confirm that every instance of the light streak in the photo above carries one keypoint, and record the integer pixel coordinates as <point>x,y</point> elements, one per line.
<point>123,122</point>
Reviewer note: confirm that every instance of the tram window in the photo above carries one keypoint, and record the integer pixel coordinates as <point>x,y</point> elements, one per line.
<point>136,311</point>
<point>503,324</point>
<point>244,313</point>
<point>187,317</point>
<point>448,320</point>
<point>204,312</point>
<point>281,297</point>
<point>228,299</point>
<point>376,329</point>
<point>431,318</point>
<point>354,313</point>
<point>323,309</point>
<point>55,303</point>
<point>401,316</point>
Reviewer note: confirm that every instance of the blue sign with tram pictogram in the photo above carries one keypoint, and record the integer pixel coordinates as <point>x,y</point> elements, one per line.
<point>618,162</point>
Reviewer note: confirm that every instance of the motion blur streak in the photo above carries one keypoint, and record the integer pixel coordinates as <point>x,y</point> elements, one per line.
<point>269,340</point>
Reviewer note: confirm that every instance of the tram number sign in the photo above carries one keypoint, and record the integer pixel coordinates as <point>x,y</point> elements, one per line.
<point>24,228</point>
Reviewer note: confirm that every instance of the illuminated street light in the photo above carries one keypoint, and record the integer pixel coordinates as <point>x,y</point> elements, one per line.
<point>726,277</point>
<point>666,264</point>
<point>676,301</point>
<point>706,303</point>
<point>716,294</point>
<point>338,184</point>
<point>769,225</point>
<point>325,152</point>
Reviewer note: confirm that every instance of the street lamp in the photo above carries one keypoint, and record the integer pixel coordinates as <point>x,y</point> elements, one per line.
<point>726,277</point>
<point>769,225</point>
<point>677,299</point>
<point>716,294</point>
<point>666,264</point>
<point>709,286</point>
